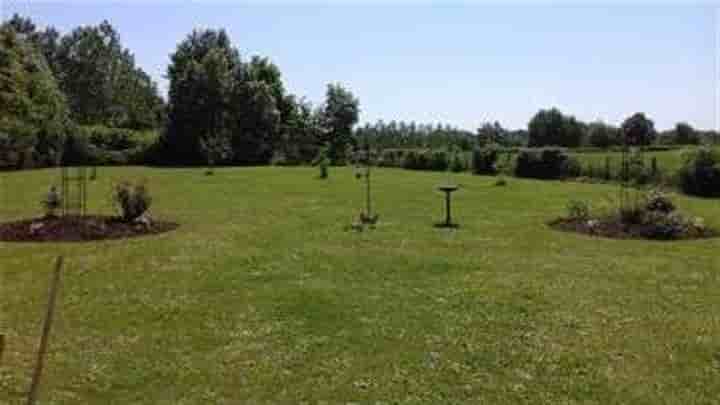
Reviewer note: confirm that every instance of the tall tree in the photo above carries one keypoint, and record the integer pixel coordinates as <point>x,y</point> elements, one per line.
<point>553,128</point>
<point>34,116</point>
<point>193,105</point>
<point>341,113</point>
<point>100,79</point>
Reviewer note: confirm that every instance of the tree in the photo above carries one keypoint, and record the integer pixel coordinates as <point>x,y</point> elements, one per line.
<point>490,134</point>
<point>685,134</point>
<point>638,130</point>
<point>100,79</point>
<point>203,73</point>
<point>34,116</point>
<point>340,114</point>
<point>552,128</point>
<point>602,135</point>
<point>258,120</point>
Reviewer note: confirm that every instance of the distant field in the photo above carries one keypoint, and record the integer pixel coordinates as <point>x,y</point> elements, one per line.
<point>263,296</point>
<point>668,161</point>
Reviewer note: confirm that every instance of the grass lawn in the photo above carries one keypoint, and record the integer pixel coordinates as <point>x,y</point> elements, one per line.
<point>668,161</point>
<point>263,296</point>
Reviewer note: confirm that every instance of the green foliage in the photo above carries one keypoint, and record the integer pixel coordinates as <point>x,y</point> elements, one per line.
<point>52,201</point>
<point>658,201</point>
<point>700,173</point>
<point>131,199</point>
<point>602,135</point>
<point>458,164</point>
<point>546,163</point>
<point>77,151</point>
<point>340,114</point>
<point>34,116</point>
<point>638,130</point>
<point>438,161</point>
<point>322,161</point>
<point>685,134</point>
<point>666,225</point>
<point>102,82</point>
<point>552,128</point>
<point>484,160</point>
<point>578,210</point>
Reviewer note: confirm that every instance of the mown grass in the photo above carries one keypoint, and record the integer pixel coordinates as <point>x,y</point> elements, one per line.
<point>263,296</point>
<point>668,162</point>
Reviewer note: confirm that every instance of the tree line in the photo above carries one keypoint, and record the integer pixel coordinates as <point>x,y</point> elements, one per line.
<point>79,92</point>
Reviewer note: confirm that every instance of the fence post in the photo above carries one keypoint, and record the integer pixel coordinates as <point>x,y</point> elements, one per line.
<point>2,347</point>
<point>32,394</point>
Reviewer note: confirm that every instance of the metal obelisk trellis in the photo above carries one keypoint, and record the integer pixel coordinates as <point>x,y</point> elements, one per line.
<point>74,191</point>
<point>633,152</point>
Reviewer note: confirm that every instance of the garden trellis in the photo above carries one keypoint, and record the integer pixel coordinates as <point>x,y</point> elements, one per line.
<point>73,183</point>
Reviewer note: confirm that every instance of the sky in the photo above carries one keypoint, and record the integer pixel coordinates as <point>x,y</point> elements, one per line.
<point>462,64</point>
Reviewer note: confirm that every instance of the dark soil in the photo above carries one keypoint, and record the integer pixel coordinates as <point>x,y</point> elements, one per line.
<point>613,228</point>
<point>77,229</point>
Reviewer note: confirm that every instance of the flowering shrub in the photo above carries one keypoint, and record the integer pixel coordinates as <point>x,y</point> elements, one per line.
<point>132,200</point>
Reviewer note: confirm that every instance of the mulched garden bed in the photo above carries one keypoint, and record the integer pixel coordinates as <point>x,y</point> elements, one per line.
<point>78,229</point>
<point>613,228</point>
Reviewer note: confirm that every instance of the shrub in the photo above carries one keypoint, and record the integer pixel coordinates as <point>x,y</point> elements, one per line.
<point>700,173</point>
<point>501,182</point>
<point>547,163</point>
<point>578,209</point>
<point>638,173</point>
<point>322,161</point>
<point>131,200</point>
<point>438,161</point>
<point>52,201</point>
<point>661,225</point>
<point>458,163</point>
<point>657,201</point>
<point>485,160</point>
<point>410,160</point>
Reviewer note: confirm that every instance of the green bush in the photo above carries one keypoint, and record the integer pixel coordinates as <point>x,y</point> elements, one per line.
<point>457,163</point>
<point>657,201</point>
<point>666,226</point>
<point>322,161</point>
<point>700,173</point>
<point>578,210</point>
<point>131,200</point>
<point>485,160</point>
<point>546,163</point>
<point>438,161</point>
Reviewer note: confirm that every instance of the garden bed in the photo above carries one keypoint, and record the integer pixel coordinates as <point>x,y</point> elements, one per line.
<point>612,227</point>
<point>79,229</point>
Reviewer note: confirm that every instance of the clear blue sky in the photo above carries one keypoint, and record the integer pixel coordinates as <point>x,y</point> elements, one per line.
<point>463,64</point>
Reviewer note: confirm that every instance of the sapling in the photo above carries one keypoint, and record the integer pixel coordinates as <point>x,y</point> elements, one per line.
<point>52,202</point>
<point>363,163</point>
<point>322,161</point>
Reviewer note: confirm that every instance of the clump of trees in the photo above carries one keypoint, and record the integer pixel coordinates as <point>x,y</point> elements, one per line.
<point>98,76</point>
<point>216,98</point>
<point>553,128</point>
<point>34,117</point>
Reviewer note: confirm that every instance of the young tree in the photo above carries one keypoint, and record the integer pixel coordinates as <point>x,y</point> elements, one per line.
<point>340,115</point>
